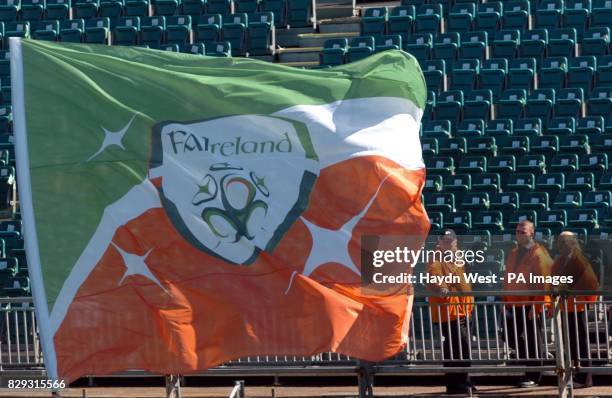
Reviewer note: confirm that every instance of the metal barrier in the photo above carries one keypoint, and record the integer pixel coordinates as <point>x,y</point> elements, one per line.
<point>19,344</point>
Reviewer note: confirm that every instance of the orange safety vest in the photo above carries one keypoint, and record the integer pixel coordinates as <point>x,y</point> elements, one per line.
<point>584,277</point>
<point>457,306</point>
<point>535,261</point>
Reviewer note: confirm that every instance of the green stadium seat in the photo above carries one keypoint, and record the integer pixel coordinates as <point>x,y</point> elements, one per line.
<point>552,73</point>
<point>437,128</point>
<point>85,9</point>
<point>436,220</point>
<point>562,43</point>
<point>576,15</point>
<point>444,202</point>
<point>300,13</point>
<point>569,102</point>
<point>460,221</point>
<point>152,30</point>
<point>534,200</point>
<point>600,102</point>
<point>596,163</point>
<point>388,42</point>
<point>475,201</point>
<point>178,29</point>
<point>446,46</point>
<point>111,8</point>
<point>47,30</point>
<point>485,146</point>
<point>489,17</point>
<point>601,13</point>
<point>514,145</point>
<point>551,183</point>
<point>604,71</point>
<point>136,8</point>
<point>97,30</point>
<point>9,9</point>
<point>549,14</point>
<point>555,220</point>
<point>511,103</point>
<point>434,72</point>
<point>521,182</point>
<point>478,104</point>
<point>464,75</point>
<point>488,183</point>
<point>500,127</point>
<point>400,21</point>
<point>235,31</point>
<point>433,183</point>
<point>209,28</point>
<point>489,220</point>
<point>580,181</point>
<point>520,215</point>
<point>173,48</point>
<point>72,30</point>
<point>596,41</point>
<point>506,44</point>
<point>461,17</point>
<point>420,45</point>
<point>521,73</point>
<point>540,103</point>
<point>195,8</point>
<point>561,126</point>
<point>449,105</point>
<point>428,18</point>
<point>564,163</point>
<point>473,164</point>
<point>219,49</point>
<point>474,45</point>
<point>601,142</point>
<point>471,128</point>
<point>531,127</point>
<point>441,165</point>
<point>581,72</point>
<point>458,184</point>
<point>6,94</point>
<point>57,9</point>
<point>8,267</point>
<point>543,236</point>
<point>11,225</point>
<point>360,47</point>
<point>374,21</point>
<point>534,43</point>
<point>17,287</point>
<point>535,164</point>
<point>598,200</point>
<point>516,14</point>
<point>574,143</point>
<point>504,201</point>
<point>6,118</point>
<point>126,31</point>
<point>261,33</point>
<point>246,6</point>
<point>503,164</point>
<point>334,52</point>
<point>223,7</point>
<point>582,218</point>
<point>32,10</point>
<point>590,125</point>
<point>454,147</point>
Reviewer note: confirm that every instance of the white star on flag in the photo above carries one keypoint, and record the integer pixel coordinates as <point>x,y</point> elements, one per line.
<point>136,265</point>
<point>332,246</point>
<point>112,138</point>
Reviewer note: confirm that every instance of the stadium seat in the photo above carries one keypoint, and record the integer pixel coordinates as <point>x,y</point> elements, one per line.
<point>582,218</point>
<point>460,221</point>
<point>137,8</point>
<point>534,43</point>
<point>596,41</point>
<point>444,202</point>
<point>178,29</point>
<point>477,104</point>
<point>503,164</point>
<point>235,31</point>
<point>173,48</point>
<point>601,200</point>
<point>471,128</point>
<point>441,165</point>
<point>596,163</point>
<point>576,15</point>
<point>511,103</point>
<point>601,142</point>
<point>600,102</point>
<point>446,46</point>
<point>580,181</point>
<point>473,164</point>
<point>562,43</point>
<point>504,201</point>
<point>111,8</point>
<point>434,72</point>
<point>564,163</point>
<point>219,49</point>
<point>516,14</point>
<point>601,13</point>
<point>473,45</point>
<point>475,201</point>
<point>461,17</point>
<point>454,147</point>
<point>246,6</point>
<point>437,128</point>
<point>486,146</point>
<point>521,182</point>
<point>16,29</point>
<point>534,200</point>
<point>551,183</point>
<point>196,48</point>
<point>582,72</point>
<point>561,126</point>
<point>521,73</point>
<point>449,105</point>
<point>209,28</point>
<point>97,30</point>
<point>552,73</point>
<point>540,103</point>
<point>506,44</point>
<point>535,164</point>
<point>464,75</point>
<point>500,127</point>
<point>300,13</point>
<point>436,220</point>
<point>152,30</point>
<point>261,33</point>
<point>569,102</point>
<point>568,200</point>
<point>72,30</point>
<point>549,14</point>
<point>126,31</point>
<point>334,52</point>
<point>493,75</point>
<point>223,7</point>
<point>279,8</point>
<point>85,9</point>
<point>47,30</point>
<point>513,145</point>
<point>457,183</point>
<point>194,8</point>
<point>590,125</point>
<point>489,17</point>
<point>488,183</point>
<point>400,21</point>
<point>519,215</point>
<point>374,21</point>
<point>388,42</point>
<point>57,9</point>
<point>360,47</point>
<point>604,71</point>
<point>32,10</point>
<point>428,18</point>
<point>490,220</point>
<point>555,220</point>
<point>420,45</point>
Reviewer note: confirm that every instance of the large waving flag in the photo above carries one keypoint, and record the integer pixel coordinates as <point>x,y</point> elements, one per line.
<point>181,211</point>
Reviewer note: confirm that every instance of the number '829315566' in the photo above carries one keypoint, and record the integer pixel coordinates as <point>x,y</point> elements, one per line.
<point>43,384</point>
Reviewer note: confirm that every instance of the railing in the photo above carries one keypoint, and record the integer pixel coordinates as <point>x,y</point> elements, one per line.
<point>19,344</point>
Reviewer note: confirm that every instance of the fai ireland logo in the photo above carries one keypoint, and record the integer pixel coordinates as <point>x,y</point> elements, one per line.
<point>234,185</point>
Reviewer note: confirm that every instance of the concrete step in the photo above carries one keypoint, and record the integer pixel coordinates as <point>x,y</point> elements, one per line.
<point>336,11</point>
<point>302,54</point>
<point>289,37</point>
<point>336,25</point>
<point>306,65</point>
<point>318,39</point>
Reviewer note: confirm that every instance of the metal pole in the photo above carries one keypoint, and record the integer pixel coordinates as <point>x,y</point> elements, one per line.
<point>365,377</point>
<point>559,342</point>
<point>173,386</point>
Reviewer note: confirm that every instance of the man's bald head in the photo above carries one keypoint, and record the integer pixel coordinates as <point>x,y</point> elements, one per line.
<point>567,242</point>
<point>525,232</point>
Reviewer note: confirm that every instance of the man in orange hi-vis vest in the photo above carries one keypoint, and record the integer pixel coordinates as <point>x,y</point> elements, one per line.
<point>450,312</point>
<point>572,262</point>
<point>524,313</point>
